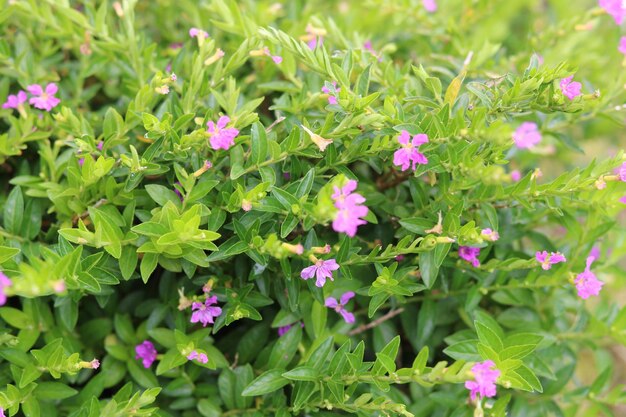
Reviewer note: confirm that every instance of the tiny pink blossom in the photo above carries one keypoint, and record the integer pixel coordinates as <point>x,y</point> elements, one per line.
<point>587,284</point>
<point>570,89</point>
<point>430,5</point>
<point>547,260</point>
<point>409,155</point>
<point>622,172</point>
<point>94,364</point>
<point>13,101</point>
<point>204,312</point>
<point>516,175</point>
<point>489,234</point>
<point>2,412</point>
<point>351,211</point>
<point>622,45</point>
<point>622,200</point>
<point>146,352</point>
<point>470,255</point>
<point>321,270</point>
<point>340,306</point>
<point>4,282</point>
<point>221,137</point>
<point>615,8</point>
<point>332,95</point>
<point>100,145</point>
<point>199,356</point>
<point>43,100</point>
<point>195,32</point>
<point>527,135</point>
<point>484,383</point>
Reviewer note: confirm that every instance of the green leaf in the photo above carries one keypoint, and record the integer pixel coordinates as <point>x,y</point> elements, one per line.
<point>285,347</point>
<point>53,391</point>
<point>148,265</point>
<point>302,373</point>
<point>14,211</point>
<point>258,143</point>
<point>141,375</point>
<point>161,195</point>
<point>128,261</point>
<point>7,253</point>
<point>267,382</point>
<point>489,337</point>
<point>466,350</point>
<point>16,318</point>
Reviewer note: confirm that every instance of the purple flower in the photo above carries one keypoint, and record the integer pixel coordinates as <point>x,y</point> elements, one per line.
<point>195,32</point>
<point>4,282</point>
<point>430,5</point>
<point>484,383</point>
<point>527,135</point>
<point>2,412</point>
<point>284,329</point>
<point>489,234</point>
<point>204,312</point>
<point>321,270</point>
<point>100,145</point>
<point>340,307</point>
<point>587,284</point>
<point>221,137</point>
<point>409,155</point>
<point>615,8</point>
<point>44,100</point>
<point>332,95</point>
<point>470,255</point>
<point>351,210</point>
<point>516,175</point>
<point>547,260</point>
<point>570,89</point>
<point>146,352</point>
<point>199,356</point>
<point>276,58</point>
<point>13,101</point>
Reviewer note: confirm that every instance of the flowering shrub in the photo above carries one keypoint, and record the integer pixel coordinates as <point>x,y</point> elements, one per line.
<point>381,208</point>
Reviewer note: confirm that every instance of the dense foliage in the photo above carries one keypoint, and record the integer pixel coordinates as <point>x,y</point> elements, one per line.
<point>219,208</point>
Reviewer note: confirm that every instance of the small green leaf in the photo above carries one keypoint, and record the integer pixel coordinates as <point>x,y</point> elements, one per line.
<point>267,382</point>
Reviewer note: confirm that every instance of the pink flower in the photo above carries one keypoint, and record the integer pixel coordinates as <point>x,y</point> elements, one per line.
<point>430,5</point>
<point>470,255</point>
<point>332,95</point>
<point>484,383</point>
<point>321,270</point>
<point>45,100</point>
<point>340,307</point>
<point>4,282</point>
<point>13,101</point>
<point>351,210</point>
<point>527,135</point>
<point>622,172</point>
<point>548,260</point>
<point>146,352</point>
<point>587,284</point>
<point>195,32</point>
<point>622,45</point>
<point>204,312</point>
<point>489,234</point>
<point>199,356</point>
<point>622,200</point>
<point>276,58</point>
<point>100,145</point>
<point>516,175</point>
<point>220,136</point>
<point>570,89</point>
<point>2,412</point>
<point>615,8</point>
<point>409,155</point>
<point>94,364</point>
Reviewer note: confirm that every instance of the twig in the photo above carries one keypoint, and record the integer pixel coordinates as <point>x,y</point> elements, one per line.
<point>97,204</point>
<point>378,321</point>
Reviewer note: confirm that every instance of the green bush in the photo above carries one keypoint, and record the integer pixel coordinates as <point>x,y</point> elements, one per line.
<point>219,208</point>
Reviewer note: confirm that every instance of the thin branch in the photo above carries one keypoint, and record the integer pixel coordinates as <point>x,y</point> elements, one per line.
<point>378,321</point>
